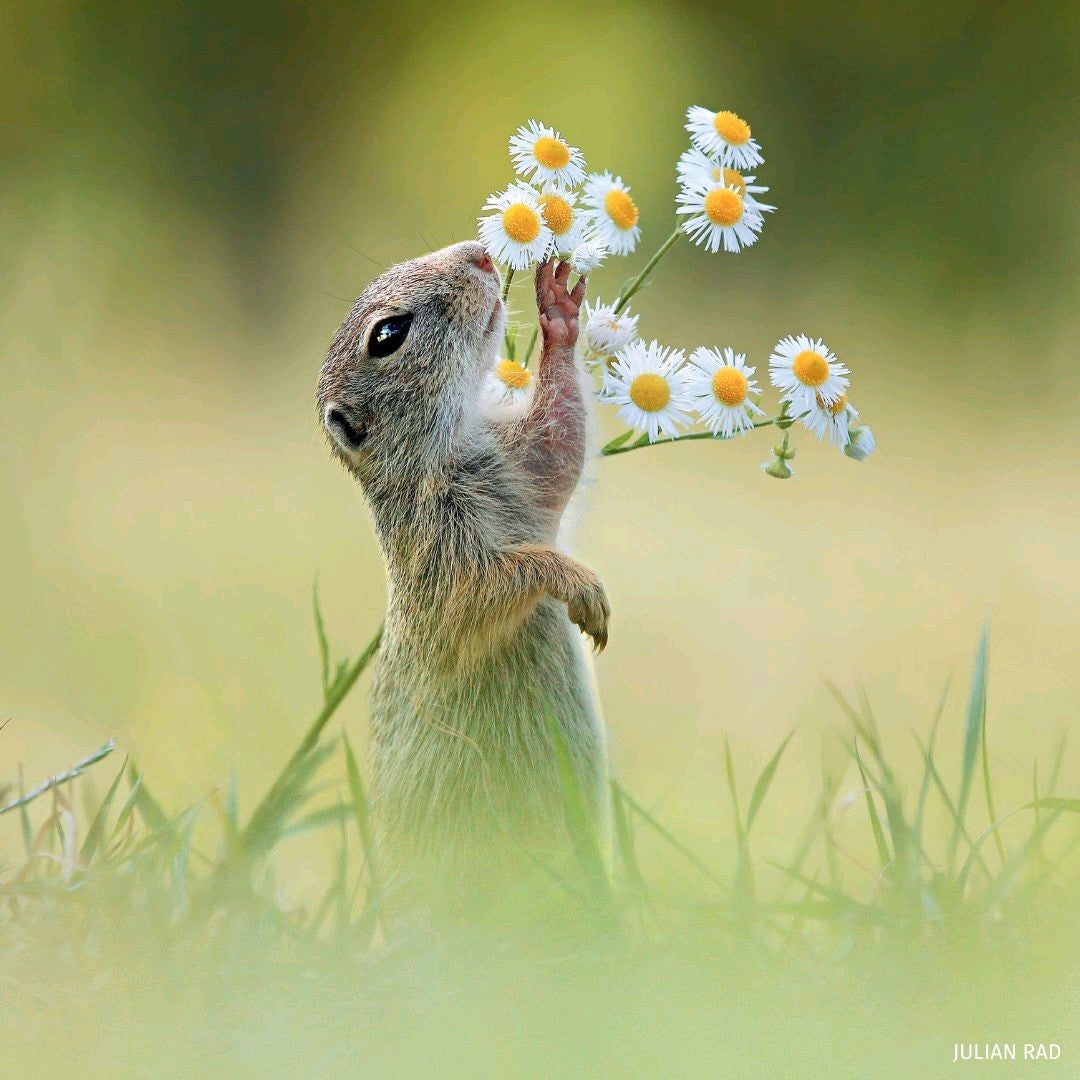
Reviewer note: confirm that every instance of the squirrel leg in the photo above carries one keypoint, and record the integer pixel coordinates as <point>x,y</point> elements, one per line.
<point>553,431</point>
<point>531,568</point>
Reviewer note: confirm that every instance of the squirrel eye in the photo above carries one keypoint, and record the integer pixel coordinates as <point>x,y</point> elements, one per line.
<point>388,335</point>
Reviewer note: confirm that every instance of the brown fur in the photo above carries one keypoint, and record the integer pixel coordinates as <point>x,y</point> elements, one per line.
<point>479,653</point>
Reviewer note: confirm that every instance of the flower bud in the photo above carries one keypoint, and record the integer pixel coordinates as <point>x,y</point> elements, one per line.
<point>861,443</point>
<point>778,468</point>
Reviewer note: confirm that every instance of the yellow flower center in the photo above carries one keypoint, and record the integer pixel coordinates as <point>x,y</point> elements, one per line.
<point>729,386</point>
<point>521,223</point>
<point>650,392</point>
<point>731,128</point>
<point>516,376</point>
<point>621,208</point>
<point>558,213</point>
<point>723,206</point>
<point>836,407</point>
<point>810,368</point>
<point>729,178</point>
<point>551,153</point>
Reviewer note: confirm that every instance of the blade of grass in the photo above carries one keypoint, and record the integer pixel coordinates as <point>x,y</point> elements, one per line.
<point>829,786</point>
<point>24,817</point>
<point>362,816</point>
<point>319,819</point>
<point>624,839</point>
<point>126,810</point>
<point>651,821</point>
<point>976,714</point>
<point>991,812</point>
<point>151,810</point>
<point>835,895</point>
<point>56,781</point>
<point>262,817</point>
<point>761,787</point>
<point>1057,805</point>
<point>729,766</point>
<point>871,809</point>
<point>924,786</point>
<point>324,644</point>
<point>1000,886</point>
<point>579,819</point>
<point>290,792</point>
<point>97,826</point>
<point>939,784</point>
<point>1055,767</point>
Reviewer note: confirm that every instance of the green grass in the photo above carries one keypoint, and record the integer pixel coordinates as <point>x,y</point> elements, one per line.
<point>132,932</point>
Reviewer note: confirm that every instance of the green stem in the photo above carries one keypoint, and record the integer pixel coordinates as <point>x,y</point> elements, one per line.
<point>510,338</point>
<point>616,445</point>
<point>532,345</point>
<point>624,298</point>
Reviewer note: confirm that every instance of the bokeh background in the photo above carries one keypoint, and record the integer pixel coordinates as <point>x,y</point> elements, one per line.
<point>192,195</point>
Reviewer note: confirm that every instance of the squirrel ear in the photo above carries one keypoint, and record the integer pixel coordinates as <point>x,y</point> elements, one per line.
<point>349,434</point>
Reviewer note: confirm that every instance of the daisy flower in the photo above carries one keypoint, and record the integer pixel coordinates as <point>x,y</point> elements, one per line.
<point>807,371</point>
<point>516,233</point>
<point>721,216</point>
<point>861,444</point>
<point>695,168</point>
<point>720,384</point>
<point>612,212</point>
<point>648,382</point>
<point>831,419</point>
<point>561,216</point>
<point>587,256</point>
<point>606,332</point>
<point>724,135</point>
<point>541,153</point>
<point>508,383</point>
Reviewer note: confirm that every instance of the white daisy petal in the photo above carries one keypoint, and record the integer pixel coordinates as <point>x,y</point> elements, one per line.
<point>724,135</point>
<point>721,384</point>
<point>540,153</point>
<point>648,384</point>
<point>588,255</point>
<point>508,389</point>
<point>722,217</point>
<point>695,168</point>
<point>831,420</point>
<point>613,214</point>
<point>606,332</point>
<point>567,223</point>
<point>516,233</point>
<point>805,370</point>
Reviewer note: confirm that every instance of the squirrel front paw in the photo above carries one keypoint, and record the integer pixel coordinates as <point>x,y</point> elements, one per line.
<point>589,610</point>
<point>558,306</point>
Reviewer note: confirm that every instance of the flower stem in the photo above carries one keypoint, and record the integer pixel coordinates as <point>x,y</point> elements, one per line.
<point>616,446</point>
<point>508,276</point>
<point>624,297</point>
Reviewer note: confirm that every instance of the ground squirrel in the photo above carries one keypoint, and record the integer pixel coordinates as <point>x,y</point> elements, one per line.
<point>481,651</point>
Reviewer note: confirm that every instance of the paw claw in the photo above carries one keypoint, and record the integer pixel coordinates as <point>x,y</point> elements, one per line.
<point>589,611</point>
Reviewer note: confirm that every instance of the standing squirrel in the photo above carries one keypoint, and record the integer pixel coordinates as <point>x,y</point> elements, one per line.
<point>481,652</point>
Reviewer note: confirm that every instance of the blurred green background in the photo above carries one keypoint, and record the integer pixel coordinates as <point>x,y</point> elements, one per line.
<point>193,194</point>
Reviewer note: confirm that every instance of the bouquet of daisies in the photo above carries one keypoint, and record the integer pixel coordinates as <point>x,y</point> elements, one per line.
<point>556,208</point>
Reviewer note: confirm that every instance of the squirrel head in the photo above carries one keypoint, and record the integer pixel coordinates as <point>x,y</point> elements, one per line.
<point>404,372</point>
